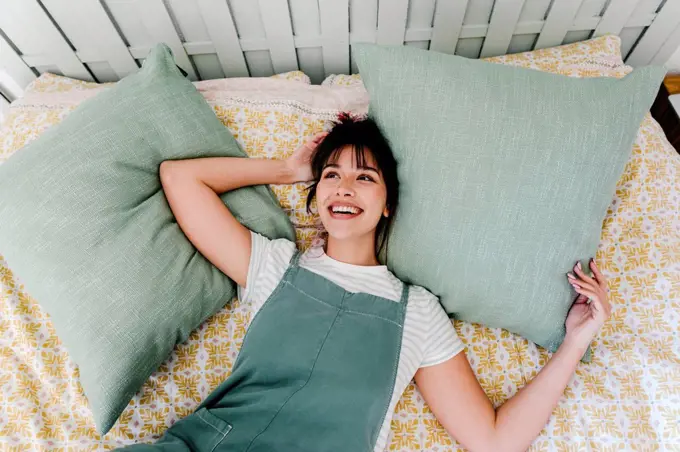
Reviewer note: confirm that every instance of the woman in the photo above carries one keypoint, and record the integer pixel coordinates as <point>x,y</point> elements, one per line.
<point>337,337</point>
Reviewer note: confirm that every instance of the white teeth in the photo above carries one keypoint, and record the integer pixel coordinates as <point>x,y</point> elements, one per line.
<point>345,209</point>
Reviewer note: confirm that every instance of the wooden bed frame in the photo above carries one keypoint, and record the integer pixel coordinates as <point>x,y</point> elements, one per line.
<point>104,40</point>
<point>664,113</point>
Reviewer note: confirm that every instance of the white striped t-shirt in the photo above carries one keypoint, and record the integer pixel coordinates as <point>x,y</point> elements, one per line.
<point>428,338</point>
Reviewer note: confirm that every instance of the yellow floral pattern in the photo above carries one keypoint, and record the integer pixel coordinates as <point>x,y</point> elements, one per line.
<point>628,398</point>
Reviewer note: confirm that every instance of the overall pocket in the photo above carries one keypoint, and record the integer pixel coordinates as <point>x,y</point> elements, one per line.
<point>202,431</point>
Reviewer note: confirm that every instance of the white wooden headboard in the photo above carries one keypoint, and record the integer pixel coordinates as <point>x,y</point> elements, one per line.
<point>104,40</point>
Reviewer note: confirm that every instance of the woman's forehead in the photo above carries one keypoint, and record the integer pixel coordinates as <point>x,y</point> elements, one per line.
<point>347,157</point>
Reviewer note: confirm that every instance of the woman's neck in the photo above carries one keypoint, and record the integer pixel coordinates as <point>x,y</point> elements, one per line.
<point>353,251</point>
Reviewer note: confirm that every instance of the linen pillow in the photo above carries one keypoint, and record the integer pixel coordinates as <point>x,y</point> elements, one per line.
<point>597,57</point>
<point>506,174</point>
<point>87,228</point>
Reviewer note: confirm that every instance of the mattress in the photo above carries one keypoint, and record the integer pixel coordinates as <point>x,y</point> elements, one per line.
<point>627,398</point>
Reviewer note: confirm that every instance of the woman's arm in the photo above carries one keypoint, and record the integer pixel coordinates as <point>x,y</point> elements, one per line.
<point>459,403</point>
<point>192,188</point>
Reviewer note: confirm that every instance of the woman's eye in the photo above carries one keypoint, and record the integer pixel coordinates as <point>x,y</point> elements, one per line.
<point>331,175</point>
<point>366,178</point>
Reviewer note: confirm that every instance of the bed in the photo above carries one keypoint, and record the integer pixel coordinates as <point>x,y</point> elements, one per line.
<point>627,398</point>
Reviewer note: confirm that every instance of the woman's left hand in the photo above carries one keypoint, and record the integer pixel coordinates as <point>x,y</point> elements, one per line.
<point>591,308</point>
<point>300,162</point>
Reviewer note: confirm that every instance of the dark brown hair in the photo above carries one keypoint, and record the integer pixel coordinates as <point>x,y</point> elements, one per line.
<point>364,136</point>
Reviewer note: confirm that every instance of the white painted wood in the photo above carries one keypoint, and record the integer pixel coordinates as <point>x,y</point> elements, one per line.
<point>532,11</point>
<point>363,22</point>
<point>159,26</point>
<point>90,30</point>
<point>334,15</point>
<point>248,21</point>
<point>222,30</point>
<point>667,20</point>
<point>304,15</point>
<point>631,33</point>
<point>675,102</point>
<point>125,14</point>
<point>276,20</point>
<point>4,108</point>
<point>217,38</point>
<point>448,22</point>
<point>589,10</point>
<point>669,47</point>
<point>673,63</point>
<point>392,22</point>
<point>420,17</point>
<point>15,75</point>
<point>559,21</point>
<point>477,15</point>
<point>501,28</point>
<point>192,28</point>
<point>30,29</point>
<point>615,17</point>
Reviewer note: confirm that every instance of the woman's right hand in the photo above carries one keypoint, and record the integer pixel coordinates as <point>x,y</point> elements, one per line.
<point>591,308</point>
<point>300,163</point>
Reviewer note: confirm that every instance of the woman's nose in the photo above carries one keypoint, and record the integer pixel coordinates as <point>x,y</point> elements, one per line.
<point>345,189</point>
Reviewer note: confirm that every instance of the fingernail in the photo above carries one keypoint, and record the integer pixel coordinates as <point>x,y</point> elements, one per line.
<point>576,286</point>
<point>569,275</point>
<point>579,265</point>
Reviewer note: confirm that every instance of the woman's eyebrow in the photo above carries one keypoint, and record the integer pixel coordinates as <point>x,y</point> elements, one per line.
<point>369,168</point>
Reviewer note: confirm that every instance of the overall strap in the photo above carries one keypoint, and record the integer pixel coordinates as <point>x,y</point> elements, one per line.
<point>292,266</point>
<point>296,258</point>
<point>404,294</point>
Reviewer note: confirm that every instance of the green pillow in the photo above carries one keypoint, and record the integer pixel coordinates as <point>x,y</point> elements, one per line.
<point>506,174</point>
<point>86,227</point>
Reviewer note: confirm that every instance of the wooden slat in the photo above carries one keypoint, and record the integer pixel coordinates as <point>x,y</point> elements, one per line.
<point>276,20</point>
<point>631,34</point>
<point>248,21</point>
<point>667,20</point>
<point>4,107</point>
<point>448,22</point>
<point>31,30</point>
<point>392,22</point>
<point>334,16</point>
<point>477,16</point>
<point>501,28</point>
<point>14,74</point>
<point>158,24</point>
<point>559,21</point>
<point>363,22</point>
<point>590,10</point>
<point>304,15</point>
<point>669,47</point>
<point>615,17</point>
<point>533,11</point>
<point>222,30</point>
<point>420,18</point>
<point>189,21</point>
<point>90,30</point>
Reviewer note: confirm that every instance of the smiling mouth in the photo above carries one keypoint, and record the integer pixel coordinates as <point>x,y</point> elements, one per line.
<point>344,212</point>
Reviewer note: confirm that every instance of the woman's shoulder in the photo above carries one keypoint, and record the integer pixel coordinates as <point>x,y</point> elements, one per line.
<point>422,297</point>
<point>417,295</point>
<point>277,252</point>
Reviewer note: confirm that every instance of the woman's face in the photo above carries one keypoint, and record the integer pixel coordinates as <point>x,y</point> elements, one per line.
<point>351,199</point>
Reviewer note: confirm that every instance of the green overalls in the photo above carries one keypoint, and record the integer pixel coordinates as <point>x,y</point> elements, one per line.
<point>316,373</point>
